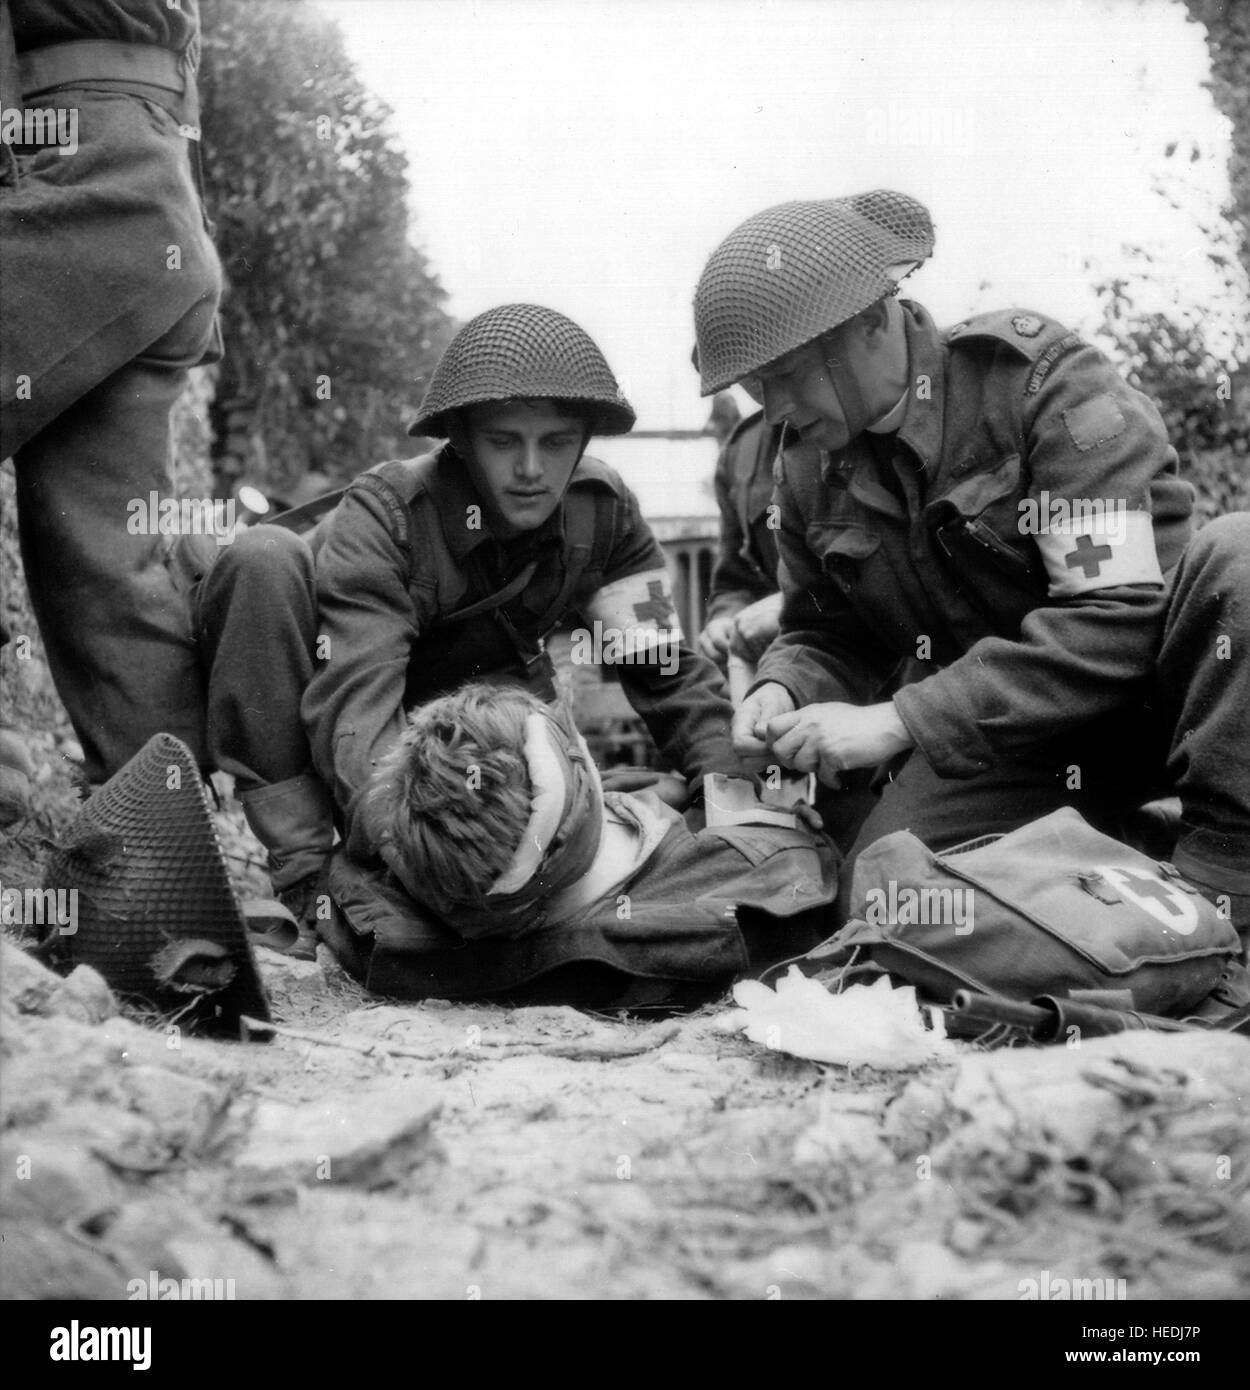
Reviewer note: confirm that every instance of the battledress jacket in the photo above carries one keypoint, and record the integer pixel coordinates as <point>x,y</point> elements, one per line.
<point>395,561</point>
<point>746,564</point>
<point>939,543</point>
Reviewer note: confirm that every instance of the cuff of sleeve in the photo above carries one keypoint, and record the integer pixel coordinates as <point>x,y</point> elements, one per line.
<point>952,742</point>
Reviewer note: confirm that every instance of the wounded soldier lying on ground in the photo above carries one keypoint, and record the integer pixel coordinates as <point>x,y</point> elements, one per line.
<point>510,872</point>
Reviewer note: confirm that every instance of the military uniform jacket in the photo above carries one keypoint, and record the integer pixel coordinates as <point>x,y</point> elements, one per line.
<point>947,542</point>
<point>394,561</point>
<point>746,566</point>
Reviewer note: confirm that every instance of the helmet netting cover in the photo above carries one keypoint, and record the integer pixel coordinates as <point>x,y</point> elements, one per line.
<point>794,271</point>
<point>523,352</point>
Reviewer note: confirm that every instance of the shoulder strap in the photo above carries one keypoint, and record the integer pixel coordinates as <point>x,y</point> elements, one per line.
<point>589,517</point>
<point>396,484</point>
<point>495,600</point>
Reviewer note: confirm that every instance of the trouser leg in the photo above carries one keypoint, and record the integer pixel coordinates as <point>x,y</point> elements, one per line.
<point>115,626</point>
<point>256,618</point>
<point>1204,680</point>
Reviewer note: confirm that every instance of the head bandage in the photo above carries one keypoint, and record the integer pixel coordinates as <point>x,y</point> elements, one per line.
<point>563,830</point>
<point>550,791</point>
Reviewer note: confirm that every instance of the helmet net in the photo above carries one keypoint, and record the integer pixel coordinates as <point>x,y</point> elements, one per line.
<point>523,352</point>
<point>794,271</point>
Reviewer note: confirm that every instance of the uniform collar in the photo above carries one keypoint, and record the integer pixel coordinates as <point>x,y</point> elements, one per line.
<point>453,494</point>
<point>921,428</point>
<point>892,419</point>
<point>916,420</point>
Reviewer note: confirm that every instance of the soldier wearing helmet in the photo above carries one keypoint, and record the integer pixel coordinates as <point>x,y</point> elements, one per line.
<point>991,509</point>
<point>455,566</point>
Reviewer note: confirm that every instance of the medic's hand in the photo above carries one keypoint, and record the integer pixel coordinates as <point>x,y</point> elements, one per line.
<point>755,627</point>
<point>833,738</point>
<point>670,787</point>
<point>770,701</point>
<point>715,638</point>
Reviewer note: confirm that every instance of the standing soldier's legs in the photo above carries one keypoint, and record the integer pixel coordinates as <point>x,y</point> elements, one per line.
<point>108,290</point>
<point>116,627</point>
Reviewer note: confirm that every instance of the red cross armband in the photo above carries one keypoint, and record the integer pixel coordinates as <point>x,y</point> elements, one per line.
<point>1100,544</point>
<point>637,610</point>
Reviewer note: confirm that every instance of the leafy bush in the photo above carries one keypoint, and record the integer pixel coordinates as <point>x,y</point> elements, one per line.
<point>330,317</point>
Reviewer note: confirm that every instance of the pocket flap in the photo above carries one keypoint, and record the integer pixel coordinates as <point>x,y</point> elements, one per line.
<point>972,494</point>
<point>849,540</point>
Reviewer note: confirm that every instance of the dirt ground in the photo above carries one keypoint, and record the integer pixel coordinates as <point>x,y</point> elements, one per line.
<point>376,1151</point>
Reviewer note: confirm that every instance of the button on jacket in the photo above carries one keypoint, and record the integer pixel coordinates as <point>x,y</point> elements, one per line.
<point>917,545</point>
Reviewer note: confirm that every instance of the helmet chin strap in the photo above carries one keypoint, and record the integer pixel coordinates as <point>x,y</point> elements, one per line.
<point>855,409</point>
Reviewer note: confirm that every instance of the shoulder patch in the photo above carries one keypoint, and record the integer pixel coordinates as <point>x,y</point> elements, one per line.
<point>1048,359</point>
<point>1027,333</point>
<point>1094,421</point>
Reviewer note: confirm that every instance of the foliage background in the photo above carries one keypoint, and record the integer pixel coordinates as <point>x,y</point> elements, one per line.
<point>1204,397</point>
<point>332,319</point>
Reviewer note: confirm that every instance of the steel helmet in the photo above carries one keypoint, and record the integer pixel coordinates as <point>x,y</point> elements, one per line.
<point>794,271</point>
<point>523,352</point>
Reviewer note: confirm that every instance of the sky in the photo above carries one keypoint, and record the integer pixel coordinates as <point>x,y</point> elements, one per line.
<point>590,154</point>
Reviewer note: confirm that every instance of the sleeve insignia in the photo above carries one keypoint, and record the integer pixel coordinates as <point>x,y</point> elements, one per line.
<point>1094,421</point>
<point>640,604</point>
<point>1048,359</point>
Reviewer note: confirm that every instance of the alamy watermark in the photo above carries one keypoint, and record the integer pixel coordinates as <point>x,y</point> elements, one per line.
<point>154,1287</point>
<point>40,907</point>
<point>40,125</point>
<point>902,125</point>
<point>1051,1288</point>
<point>1045,515</point>
<point>893,906</point>
<point>630,646</point>
<point>155,515</point>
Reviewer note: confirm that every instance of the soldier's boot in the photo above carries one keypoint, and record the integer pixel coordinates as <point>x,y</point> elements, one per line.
<point>295,823</point>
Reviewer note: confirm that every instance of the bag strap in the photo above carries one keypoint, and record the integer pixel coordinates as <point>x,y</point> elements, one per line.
<point>588,522</point>
<point>589,517</point>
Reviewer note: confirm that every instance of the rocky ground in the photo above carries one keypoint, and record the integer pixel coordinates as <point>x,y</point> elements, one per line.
<point>449,1151</point>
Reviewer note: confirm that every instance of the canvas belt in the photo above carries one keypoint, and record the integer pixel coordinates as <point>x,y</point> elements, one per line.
<point>92,62</point>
